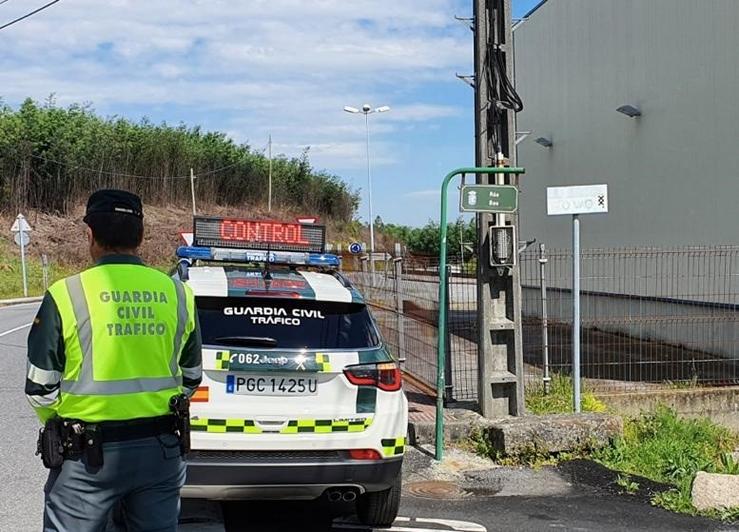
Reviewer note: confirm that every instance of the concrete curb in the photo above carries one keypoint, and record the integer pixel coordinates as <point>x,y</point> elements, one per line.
<point>548,434</point>
<point>459,424</point>
<point>20,300</point>
<point>424,432</point>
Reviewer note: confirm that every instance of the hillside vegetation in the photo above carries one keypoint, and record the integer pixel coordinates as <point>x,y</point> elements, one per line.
<point>51,158</point>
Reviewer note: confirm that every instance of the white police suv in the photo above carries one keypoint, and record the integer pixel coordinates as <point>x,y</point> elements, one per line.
<point>300,396</point>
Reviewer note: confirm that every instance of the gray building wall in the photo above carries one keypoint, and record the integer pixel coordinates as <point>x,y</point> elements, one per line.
<point>673,174</point>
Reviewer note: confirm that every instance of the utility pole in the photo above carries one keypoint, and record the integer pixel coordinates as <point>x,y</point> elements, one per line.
<point>269,194</point>
<point>500,355</point>
<point>192,190</point>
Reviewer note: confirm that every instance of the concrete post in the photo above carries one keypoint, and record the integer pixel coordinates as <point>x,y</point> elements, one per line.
<point>500,357</point>
<point>398,266</point>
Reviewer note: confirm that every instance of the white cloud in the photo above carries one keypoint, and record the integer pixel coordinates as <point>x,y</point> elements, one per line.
<point>280,66</point>
<point>429,193</point>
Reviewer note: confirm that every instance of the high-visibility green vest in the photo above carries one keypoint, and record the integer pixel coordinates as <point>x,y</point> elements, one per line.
<point>124,327</point>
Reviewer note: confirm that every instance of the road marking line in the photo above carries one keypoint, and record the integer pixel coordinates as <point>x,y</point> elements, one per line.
<point>461,526</point>
<point>21,305</point>
<point>454,526</point>
<point>15,329</point>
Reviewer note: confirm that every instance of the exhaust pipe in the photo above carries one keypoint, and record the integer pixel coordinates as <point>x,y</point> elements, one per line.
<point>334,496</point>
<point>349,496</point>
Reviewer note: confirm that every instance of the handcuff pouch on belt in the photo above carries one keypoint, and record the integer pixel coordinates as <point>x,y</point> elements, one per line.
<point>62,439</point>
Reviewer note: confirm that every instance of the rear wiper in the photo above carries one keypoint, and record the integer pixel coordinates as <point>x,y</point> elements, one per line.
<point>247,341</point>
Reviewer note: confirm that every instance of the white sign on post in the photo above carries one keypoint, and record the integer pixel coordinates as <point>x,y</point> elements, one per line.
<point>20,225</point>
<point>588,199</point>
<point>20,230</point>
<point>576,200</point>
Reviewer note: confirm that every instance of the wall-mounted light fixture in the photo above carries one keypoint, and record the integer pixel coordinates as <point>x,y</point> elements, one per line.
<point>629,110</point>
<point>521,136</point>
<point>543,141</point>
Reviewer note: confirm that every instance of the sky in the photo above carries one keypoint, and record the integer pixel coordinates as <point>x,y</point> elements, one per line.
<point>252,68</point>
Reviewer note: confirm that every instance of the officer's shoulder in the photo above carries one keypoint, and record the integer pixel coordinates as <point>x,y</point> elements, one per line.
<point>59,284</point>
<point>164,275</point>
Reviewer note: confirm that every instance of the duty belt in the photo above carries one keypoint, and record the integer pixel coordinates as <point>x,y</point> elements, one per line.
<point>70,439</point>
<point>133,429</point>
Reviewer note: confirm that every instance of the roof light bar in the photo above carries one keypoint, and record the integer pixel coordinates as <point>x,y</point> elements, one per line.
<point>256,255</point>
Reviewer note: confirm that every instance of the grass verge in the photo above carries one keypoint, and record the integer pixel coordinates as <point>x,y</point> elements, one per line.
<point>659,446</point>
<point>11,279</point>
<point>664,447</point>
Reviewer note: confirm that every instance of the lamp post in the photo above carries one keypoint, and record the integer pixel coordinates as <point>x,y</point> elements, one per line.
<point>367,110</point>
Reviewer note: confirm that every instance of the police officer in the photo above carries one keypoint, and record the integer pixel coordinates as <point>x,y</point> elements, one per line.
<point>109,349</point>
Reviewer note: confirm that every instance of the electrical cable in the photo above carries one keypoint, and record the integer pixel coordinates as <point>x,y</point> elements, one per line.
<point>501,93</point>
<point>2,2</point>
<point>132,176</point>
<point>28,14</point>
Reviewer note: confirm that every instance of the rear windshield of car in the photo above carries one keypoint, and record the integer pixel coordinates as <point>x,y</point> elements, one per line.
<point>293,323</point>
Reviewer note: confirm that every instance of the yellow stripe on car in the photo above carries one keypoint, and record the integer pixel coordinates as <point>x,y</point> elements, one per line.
<point>393,446</point>
<point>323,363</point>
<point>223,359</point>
<point>224,425</point>
<point>294,426</point>
<point>297,426</point>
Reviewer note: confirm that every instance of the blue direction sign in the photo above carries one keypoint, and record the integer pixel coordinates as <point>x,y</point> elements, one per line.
<point>355,248</point>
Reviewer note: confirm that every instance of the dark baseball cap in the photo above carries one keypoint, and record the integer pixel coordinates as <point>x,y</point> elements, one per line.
<point>112,201</point>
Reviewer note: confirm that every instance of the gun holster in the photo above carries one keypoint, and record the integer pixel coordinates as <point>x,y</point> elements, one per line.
<point>180,407</point>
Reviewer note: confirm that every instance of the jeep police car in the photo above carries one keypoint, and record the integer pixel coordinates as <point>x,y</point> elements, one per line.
<point>300,396</point>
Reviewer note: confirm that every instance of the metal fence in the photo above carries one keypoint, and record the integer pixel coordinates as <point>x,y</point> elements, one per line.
<point>651,318</point>
<point>404,297</point>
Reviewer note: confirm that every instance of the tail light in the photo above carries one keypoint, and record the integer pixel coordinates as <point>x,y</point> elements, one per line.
<point>364,454</point>
<point>385,375</point>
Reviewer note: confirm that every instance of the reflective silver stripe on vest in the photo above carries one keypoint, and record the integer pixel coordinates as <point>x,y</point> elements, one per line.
<point>84,327</point>
<point>193,373</point>
<point>153,384</point>
<point>86,384</point>
<point>181,323</point>
<point>44,377</point>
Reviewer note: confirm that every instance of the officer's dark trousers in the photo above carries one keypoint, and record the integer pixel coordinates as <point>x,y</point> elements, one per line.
<point>146,475</point>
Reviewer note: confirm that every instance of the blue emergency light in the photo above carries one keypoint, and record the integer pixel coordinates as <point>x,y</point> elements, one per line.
<point>296,258</point>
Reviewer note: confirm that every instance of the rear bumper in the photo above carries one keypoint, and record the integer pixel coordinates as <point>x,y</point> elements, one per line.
<point>236,475</point>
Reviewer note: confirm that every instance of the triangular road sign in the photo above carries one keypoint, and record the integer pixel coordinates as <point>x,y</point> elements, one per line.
<point>20,224</point>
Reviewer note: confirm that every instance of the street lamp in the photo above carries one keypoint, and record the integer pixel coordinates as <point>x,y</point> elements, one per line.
<point>367,110</point>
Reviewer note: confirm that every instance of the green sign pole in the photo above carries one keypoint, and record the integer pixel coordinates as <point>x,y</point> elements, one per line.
<point>442,293</point>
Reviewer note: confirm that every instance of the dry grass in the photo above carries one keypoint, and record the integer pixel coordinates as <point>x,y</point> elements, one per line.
<point>63,240</point>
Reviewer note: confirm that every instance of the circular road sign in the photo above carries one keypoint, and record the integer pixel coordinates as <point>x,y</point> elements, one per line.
<point>22,237</point>
<point>355,248</point>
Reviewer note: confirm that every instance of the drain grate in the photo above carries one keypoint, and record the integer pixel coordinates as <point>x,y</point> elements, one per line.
<point>444,490</point>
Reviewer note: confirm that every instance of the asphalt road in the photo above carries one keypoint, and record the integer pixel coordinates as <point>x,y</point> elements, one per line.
<point>21,474</point>
<point>499,499</point>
